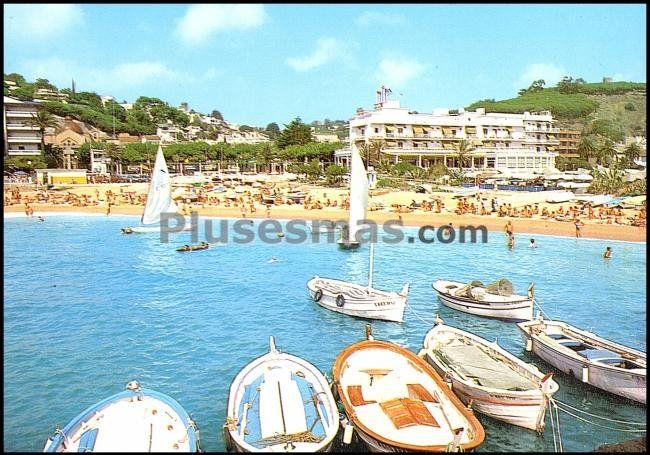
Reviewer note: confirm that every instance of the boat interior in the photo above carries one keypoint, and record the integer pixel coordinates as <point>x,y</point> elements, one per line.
<point>132,425</point>
<point>395,398</point>
<point>476,364</point>
<point>281,406</point>
<point>594,353</point>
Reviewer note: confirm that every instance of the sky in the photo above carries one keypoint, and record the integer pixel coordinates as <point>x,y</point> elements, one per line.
<point>263,63</point>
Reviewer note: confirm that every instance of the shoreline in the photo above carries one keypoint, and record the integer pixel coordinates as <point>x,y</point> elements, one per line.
<point>590,231</point>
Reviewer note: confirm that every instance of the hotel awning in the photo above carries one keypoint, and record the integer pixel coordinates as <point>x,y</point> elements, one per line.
<point>447,145</point>
<point>550,136</point>
<point>477,142</point>
<point>418,129</point>
<point>426,129</point>
<point>391,144</point>
<point>550,148</point>
<point>447,131</point>
<point>389,128</point>
<point>470,129</point>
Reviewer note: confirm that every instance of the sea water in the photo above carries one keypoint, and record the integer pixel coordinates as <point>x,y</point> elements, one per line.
<point>88,309</point>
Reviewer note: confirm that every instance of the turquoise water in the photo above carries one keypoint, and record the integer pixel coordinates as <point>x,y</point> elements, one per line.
<point>87,309</point>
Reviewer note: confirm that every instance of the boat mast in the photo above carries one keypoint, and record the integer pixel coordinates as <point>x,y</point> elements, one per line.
<point>370,270</point>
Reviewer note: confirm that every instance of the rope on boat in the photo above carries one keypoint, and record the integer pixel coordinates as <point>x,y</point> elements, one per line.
<point>597,416</point>
<point>625,430</point>
<point>540,309</point>
<point>557,422</point>
<point>305,436</point>
<point>416,315</point>
<point>553,427</point>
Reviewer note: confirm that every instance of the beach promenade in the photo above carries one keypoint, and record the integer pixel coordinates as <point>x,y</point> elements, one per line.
<point>128,199</point>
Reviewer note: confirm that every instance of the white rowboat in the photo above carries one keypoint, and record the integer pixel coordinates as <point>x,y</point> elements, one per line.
<point>136,420</point>
<point>280,403</point>
<point>604,364</point>
<point>476,300</point>
<point>494,381</point>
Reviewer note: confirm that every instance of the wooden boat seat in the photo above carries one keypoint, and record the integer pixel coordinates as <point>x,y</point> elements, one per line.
<point>418,391</point>
<point>599,354</point>
<point>282,409</point>
<point>407,412</point>
<point>356,396</point>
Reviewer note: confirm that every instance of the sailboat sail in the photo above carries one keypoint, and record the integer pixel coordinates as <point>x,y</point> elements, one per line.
<point>159,199</point>
<point>358,194</point>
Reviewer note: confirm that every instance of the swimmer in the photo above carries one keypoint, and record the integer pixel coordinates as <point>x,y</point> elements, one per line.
<point>608,252</point>
<point>41,219</point>
<point>272,260</point>
<point>532,244</point>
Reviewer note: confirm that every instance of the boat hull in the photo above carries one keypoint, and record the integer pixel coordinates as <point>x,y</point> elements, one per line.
<point>513,310</point>
<point>627,383</point>
<point>357,302</point>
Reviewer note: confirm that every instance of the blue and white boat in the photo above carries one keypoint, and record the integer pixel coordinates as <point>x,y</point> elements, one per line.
<point>280,403</point>
<point>135,420</point>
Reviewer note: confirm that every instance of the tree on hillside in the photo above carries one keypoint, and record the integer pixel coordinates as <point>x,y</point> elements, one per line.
<point>606,152</point>
<point>272,130</point>
<point>295,133</point>
<point>216,114</point>
<point>536,86</point>
<point>43,120</point>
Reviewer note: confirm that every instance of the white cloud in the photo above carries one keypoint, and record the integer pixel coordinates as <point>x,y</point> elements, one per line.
<point>27,21</point>
<point>398,71</point>
<point>327,50</point>
<point>550,73</point>
<point>369,18</point>
<point>202,21</point>
<point>125,75</point>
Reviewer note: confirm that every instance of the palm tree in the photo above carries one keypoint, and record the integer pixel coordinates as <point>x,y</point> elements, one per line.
<point>43,120</point>
<point>587,148</point>
<point>606,152</point>
<point>113,153</point>
<point>463,149</point>
<point>632,151</point>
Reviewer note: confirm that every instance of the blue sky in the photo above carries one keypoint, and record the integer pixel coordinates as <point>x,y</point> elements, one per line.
<point>259,63</point>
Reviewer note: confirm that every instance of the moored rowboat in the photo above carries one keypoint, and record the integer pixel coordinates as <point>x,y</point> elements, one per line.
<point>604,364</point>
<point>136,420</point>
<point>397,402</point>
<point>494,381</point>
<point>280,403</point>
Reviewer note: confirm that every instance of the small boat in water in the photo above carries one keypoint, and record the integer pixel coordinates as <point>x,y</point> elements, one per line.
<point>496,300</point>
<point>397,402</point>
<point>200,246</point>
<point>280,403</point>
<point>604,364</point>
<point>494,381</point>
<point>136,420</point>
<point>358,300</point>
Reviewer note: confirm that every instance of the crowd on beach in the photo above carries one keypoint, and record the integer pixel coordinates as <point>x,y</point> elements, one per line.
<point>249,201</point>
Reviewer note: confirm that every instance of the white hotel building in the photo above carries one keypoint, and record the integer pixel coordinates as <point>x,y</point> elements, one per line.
<point>507,142</point>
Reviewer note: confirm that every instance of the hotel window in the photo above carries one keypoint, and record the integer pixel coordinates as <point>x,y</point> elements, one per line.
<point>376,130</point>
<point>400,130</point>
<point>400,145</point>
<point>490,162</point>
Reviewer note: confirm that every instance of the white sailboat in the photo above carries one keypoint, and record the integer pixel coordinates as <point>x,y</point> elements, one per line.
<point>358,202</point>
<point>159,199</point>
<point>358,300</point>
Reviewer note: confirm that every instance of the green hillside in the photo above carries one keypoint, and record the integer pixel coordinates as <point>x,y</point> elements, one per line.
<point>576,104</point>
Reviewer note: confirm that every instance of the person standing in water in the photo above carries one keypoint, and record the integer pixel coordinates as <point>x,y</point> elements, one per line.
<point>608,252</point>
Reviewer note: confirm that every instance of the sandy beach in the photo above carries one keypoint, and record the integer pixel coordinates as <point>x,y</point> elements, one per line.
<point>594,229</point>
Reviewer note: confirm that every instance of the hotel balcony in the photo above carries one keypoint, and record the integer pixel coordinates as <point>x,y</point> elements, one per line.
<point>21,127</point>
<point>24,139</point>
<point>30,152</point>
